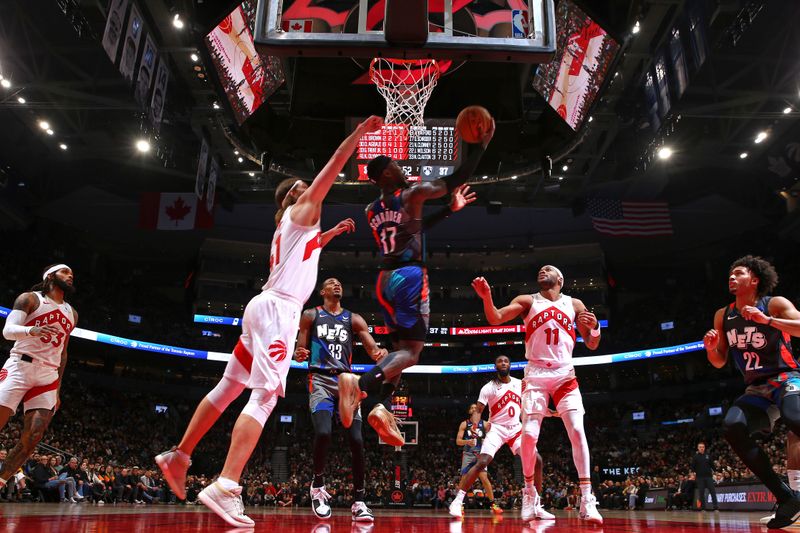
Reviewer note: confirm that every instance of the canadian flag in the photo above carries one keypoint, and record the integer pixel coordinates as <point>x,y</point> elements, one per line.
<point>174,211</point>
<point>297,25</point>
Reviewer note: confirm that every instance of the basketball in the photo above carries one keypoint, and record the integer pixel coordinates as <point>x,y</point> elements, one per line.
<point>472,122</point>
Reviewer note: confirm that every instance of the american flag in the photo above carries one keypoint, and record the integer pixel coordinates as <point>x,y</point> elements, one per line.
<point>630,219</point>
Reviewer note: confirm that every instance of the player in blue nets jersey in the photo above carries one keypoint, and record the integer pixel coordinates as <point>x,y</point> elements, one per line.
<point>402,287</point>
<point>755,331</point>
<point>328,331</point>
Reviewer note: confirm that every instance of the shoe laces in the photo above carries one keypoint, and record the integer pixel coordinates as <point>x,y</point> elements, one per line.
<point>319,493</point>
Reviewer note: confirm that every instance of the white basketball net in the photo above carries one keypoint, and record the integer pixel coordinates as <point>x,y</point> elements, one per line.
<point>406,85</point>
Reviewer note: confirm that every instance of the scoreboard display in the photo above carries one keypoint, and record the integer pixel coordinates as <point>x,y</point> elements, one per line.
<point>424,153</point>
<point>401,406</point>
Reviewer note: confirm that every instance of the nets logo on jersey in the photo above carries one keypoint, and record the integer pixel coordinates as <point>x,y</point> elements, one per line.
<point>750,337</point>
<point>277,350</point>
<point>337,333</point>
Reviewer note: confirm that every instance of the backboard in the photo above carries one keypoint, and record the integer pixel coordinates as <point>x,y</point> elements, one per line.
<point>521,31</point>
<point>410,431</point>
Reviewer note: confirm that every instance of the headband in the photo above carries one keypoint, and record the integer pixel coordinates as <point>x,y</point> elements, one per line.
<point>54,268</point>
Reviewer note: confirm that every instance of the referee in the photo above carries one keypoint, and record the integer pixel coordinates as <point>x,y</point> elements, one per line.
<point>701,466</point>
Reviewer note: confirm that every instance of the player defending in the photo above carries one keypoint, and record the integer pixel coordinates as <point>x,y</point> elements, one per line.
<point>269,324</point>
<point>402,286</point>
<point>756,331</point>
<point>550,318</point>
<point>175,462</point>
<point>470,435</point>
<point>503,396</point>
<point>39,325</point>
<point>329,330</point>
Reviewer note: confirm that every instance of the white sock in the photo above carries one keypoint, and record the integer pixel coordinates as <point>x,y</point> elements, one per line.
<point>530,486</point>
<point>794,479</point>
<point>182,454</point>
<point>586,489</point>
<point>227,484</point>
<point>460,496</point>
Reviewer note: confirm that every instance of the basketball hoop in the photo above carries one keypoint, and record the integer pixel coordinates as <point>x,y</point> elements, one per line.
<point>406,85</point>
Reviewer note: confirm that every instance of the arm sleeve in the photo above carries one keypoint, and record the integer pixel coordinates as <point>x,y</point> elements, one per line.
<point>462,173</point>
<point>14,328</point>
<point>434,218</point>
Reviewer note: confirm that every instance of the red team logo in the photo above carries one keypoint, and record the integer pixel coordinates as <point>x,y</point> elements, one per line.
<point>3,374</point>
<point>277,350</point>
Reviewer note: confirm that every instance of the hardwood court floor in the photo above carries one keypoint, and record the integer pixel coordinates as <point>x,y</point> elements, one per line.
<point>87,518</point>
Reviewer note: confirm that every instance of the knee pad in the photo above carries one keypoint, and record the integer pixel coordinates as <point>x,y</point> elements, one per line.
<point>224,393</point>
<point>260,405</point>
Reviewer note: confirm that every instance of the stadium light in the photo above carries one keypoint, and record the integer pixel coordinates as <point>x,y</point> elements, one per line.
<point>743,155</point>
<point>21,100</point>
<point>636,28</point>
<point>177,22</point>
<point>760,137</point>
<point>565,168</point>
<point>143,145</point>
<point>665,152</point>
<point>5,83</point>
<point>195,58</point>
<point>62,146</point>
<point>44,124</point>
<point>787,110</point>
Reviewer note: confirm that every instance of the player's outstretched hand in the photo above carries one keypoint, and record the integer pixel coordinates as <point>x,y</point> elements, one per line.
<point>373,123</point>
<point>301,354</point>
<point>41,331</point>
<point>482,287</point>
<point>345,226</point>
<point>487,135</point>
<point>711,340</point>
<point>750,312</point>
<point>587,319</point>
<point>380,354</point>
<point>461,198</point>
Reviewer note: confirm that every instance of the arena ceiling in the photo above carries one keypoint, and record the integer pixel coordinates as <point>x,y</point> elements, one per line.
<point>52,55</point>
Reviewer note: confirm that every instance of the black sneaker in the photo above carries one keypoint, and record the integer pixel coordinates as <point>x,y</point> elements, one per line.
<point>319,502</point>
<point>786,514</point>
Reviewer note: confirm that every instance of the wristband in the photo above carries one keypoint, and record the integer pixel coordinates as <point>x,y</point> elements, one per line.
<point>595,332</point>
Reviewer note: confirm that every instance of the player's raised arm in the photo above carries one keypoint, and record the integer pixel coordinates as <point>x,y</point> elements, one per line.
<point>347,225</point>
<point>437,188</point>
<point>715,343</point>
<point>307,209</point>
<point>494,315</point>
<point>588,325</point>
<point>361,329</point>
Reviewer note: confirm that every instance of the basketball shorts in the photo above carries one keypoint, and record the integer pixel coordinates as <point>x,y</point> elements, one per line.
<point>405,299</point>
<point>264,352</point>
<point>542,384</point>
<point>499,435</point>
<point>323,394</point>
<point>767,396</point>
<point>33,384</point>
<point>468,460</point>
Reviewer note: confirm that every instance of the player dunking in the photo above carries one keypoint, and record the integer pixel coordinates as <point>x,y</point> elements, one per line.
<point>402,286</point>
<point>269,324</point>
<point>39,325</point>
<point>756,330</point>
<point>503,396</point>
<point>175,463</point>
<point>329,330</point>
<point>550,318</point>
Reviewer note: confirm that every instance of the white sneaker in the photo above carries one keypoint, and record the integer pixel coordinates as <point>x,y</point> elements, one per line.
<point>589,510</point>
<point>226,503</point>
<point>539,512</point>
<point>319,502</point>
<point>456,508</point>
<point>362,513</point>
<point>528,502</point>
<point>100,502</point>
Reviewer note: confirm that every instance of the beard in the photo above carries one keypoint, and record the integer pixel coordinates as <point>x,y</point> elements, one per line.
<point>503,373</point>
<point>69,290</point>
<point>547,284</point>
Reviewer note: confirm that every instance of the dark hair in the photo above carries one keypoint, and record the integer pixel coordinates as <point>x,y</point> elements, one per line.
<point>499,356</point>
<point>281,191</point>
<point>760,268</point>
<point>376,167</point>
<point>46,285</point>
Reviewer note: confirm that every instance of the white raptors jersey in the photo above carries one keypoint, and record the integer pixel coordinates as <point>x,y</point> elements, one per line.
<point>47,348</point>
<point>294,259</point>
<point>550,332</point>
<point>504,401</point>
